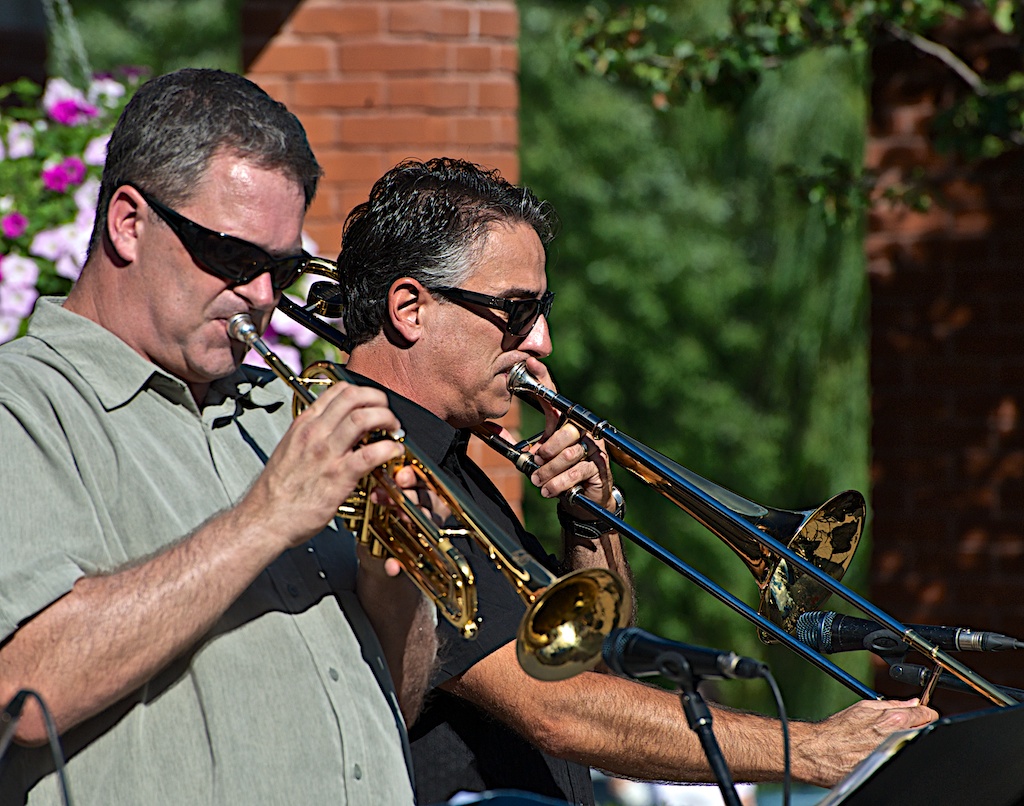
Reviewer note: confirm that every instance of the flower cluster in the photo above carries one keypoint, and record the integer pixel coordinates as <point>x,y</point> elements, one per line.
<point>53,144</point>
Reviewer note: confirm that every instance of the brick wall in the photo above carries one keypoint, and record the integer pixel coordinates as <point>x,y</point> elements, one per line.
<point>947,366</point>
<point>378,81</point>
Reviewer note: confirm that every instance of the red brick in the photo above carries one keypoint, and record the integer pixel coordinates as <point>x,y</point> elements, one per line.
<point>340,93</point>
<point>338,19</point>
<point>390,130</point>
<point>321,129</point>
<point>499,22</point>
<point>443,19</point>
<point>352,167</point>
<point>391,57</point>
<point>430,91</point>
<point>473,57</point>
<point>499,93</point>
<point>292,58</point>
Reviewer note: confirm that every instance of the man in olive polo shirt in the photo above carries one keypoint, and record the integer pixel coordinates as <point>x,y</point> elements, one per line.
<point>171,583</point>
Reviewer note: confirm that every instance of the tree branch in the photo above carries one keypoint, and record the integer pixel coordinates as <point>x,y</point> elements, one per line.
<point>943,54</point>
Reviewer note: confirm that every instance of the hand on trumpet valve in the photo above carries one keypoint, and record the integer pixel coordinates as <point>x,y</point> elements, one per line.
<point>322,458</point>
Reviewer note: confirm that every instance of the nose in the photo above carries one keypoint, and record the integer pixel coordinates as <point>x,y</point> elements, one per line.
<point>538,340</point>
<point>259,292</point>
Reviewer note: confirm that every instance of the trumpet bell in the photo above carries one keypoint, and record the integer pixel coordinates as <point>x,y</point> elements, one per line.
<point>564,630</point>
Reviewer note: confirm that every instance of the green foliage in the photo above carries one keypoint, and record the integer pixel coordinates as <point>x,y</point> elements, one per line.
<point>163,35</point>
<point>661,52</point>
<point>703,308</point>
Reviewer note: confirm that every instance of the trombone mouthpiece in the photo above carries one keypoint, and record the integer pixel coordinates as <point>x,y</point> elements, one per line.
<point>241,328</point>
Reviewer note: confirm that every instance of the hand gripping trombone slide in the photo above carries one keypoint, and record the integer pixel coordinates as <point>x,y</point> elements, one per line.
<point>792,578</point>
<point>567,618</point>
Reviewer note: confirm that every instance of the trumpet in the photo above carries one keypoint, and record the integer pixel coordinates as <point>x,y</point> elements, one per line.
<point>567,618</point>
<point>797,558</point>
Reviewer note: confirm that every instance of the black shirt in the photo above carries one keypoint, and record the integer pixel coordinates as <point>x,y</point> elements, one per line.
<point>455,745</point>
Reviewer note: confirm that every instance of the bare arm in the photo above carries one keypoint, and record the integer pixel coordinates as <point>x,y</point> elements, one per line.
<point>639,731</point>
<point>112,633</point>
<point>405,622</point>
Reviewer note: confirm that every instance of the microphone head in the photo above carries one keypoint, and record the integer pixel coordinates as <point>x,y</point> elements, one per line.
<point>814,628</point>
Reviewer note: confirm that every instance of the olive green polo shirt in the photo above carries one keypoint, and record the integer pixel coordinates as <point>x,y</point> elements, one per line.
<point>104,460</point>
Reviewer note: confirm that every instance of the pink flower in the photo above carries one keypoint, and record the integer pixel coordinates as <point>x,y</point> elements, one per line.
<point>75,170</point>
<point>73,113</point>
<point>66,104</point>
<point>56,178</point>
<point>13,225</point>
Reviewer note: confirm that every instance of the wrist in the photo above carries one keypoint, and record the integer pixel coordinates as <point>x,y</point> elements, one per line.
<point>591,529</point>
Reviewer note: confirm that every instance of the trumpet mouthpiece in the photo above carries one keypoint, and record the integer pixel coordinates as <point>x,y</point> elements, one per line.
<point>241,328</point>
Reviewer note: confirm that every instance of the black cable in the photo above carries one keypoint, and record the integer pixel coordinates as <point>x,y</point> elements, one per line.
<point>786,762</point>
<point>9,721</point>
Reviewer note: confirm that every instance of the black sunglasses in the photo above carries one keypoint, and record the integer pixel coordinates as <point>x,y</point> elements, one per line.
<point>226,256</point>
<point>522,313</point>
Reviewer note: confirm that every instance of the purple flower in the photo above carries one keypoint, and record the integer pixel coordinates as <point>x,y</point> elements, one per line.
<point>66,104</point>
<point>75,170</point>
<point>56,178</point>
<point>13,225</point>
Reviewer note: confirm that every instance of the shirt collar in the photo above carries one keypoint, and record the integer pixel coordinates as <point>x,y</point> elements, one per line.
<point>115,371</point>
<point>430,434</point>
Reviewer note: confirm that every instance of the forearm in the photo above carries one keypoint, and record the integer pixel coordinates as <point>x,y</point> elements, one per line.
<point>111,633</point>
<point>603,552</point>
<point>405,622</point>
<point>640,731</point>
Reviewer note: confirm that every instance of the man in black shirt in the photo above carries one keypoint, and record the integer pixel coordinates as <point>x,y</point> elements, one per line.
<point>446,290</point>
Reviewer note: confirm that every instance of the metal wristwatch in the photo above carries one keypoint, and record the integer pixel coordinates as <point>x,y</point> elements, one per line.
<point>591,530</point>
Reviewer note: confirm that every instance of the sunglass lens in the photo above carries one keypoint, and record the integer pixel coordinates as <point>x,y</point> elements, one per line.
<point>523,316</point>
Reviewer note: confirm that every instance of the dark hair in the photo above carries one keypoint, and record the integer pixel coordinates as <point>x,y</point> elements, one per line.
<point>174,125</point>
<point>425,220</point>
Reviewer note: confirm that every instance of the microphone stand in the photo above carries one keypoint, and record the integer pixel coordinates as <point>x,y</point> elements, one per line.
<point>675,667</point>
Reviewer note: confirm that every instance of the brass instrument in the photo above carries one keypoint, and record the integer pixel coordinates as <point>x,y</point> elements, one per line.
<point>797,558</point>
<point>567,618</point>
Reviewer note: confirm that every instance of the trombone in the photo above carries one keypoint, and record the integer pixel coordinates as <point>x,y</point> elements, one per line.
<point>792,578</point>
<point>567,618</point>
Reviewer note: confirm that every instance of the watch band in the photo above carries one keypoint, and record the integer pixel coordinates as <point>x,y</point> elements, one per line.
<point>591,530</point>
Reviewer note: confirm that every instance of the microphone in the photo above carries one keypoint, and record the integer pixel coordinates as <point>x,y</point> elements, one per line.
<point>9,719</point>
<point>827,631</point>
<point>636,653</point>
<point>919,676</point>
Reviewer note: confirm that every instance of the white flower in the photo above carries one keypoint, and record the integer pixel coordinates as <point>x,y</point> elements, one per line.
<point>96,150</point>
<point>6,203</point>
<point>19,271</point>
<point>20,140</point>
<point>289,355</point>
<point>86,197</point>
<point>105,91</point>
<point>17,301</point>
<point>57,90</point>
<point>51,243</point>
<point>68,266</point>
<point>8,327</point>
<point>286,326</point>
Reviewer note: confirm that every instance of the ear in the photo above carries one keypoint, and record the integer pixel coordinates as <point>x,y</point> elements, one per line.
<point>406,304</point>
<point>124,224</point>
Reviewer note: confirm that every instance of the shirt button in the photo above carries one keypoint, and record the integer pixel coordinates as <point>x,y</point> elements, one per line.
<point>333,673</point>
<point>357,772</point>
<point>293,590</point>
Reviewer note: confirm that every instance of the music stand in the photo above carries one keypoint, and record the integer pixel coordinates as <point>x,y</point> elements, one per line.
<point>970,758</point>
